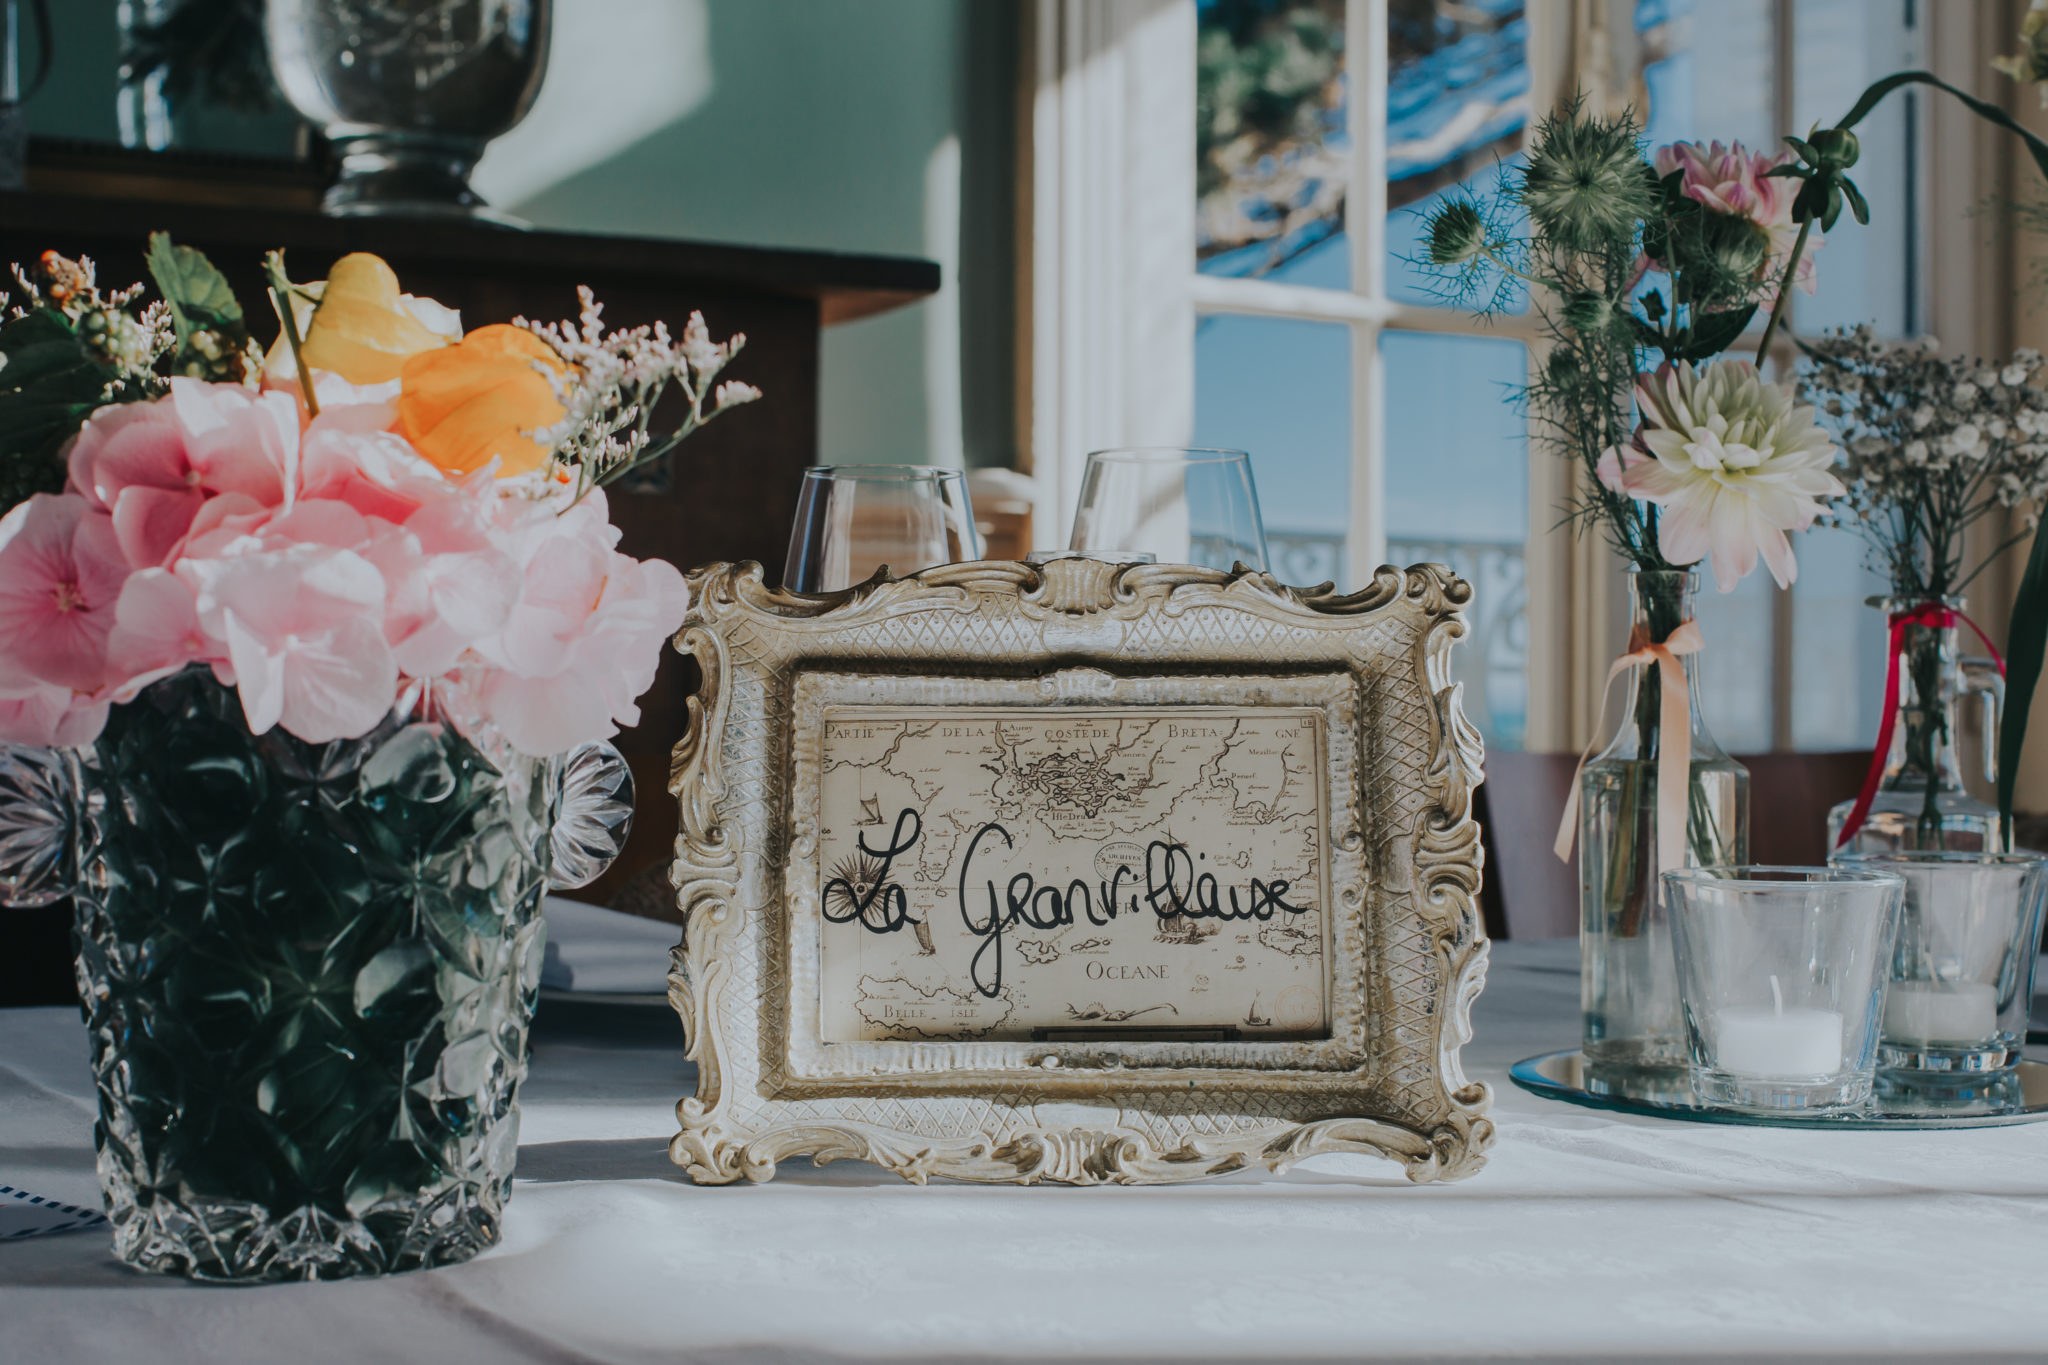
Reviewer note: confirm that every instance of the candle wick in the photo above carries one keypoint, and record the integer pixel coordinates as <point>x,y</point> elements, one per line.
<point>1777,998</point>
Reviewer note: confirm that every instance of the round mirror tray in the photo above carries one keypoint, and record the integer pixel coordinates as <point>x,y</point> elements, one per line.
<point>1963,1101</point>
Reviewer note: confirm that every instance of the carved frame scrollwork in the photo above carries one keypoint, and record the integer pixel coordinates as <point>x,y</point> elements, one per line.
<point>1407,919</point>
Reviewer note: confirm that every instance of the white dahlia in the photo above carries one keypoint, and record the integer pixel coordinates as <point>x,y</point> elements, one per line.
<point>1733,462</point>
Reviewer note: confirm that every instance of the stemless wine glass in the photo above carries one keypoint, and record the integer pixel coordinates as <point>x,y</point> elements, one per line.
<point>1183,506</point>
<point>854,519</point>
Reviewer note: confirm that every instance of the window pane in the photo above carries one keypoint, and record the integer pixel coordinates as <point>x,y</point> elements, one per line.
<point>1407,242</point>
<point>1457,103</point>
<point>1709,74</point>
<point>1271,142</point>
<point>1457,493</point>
<point>1863,273</point>
<point>1282,390</point>
<point>1735,670</point>
<point>1838,644</point>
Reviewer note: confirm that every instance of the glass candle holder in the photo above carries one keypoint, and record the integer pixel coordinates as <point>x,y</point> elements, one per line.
<point>1962,970</point>
<point>1781,971</point>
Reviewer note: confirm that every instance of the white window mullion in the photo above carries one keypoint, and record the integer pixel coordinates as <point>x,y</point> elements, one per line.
<point>1365,220</point>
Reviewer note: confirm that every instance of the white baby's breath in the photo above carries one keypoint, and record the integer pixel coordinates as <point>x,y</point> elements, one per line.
<point>613,382</point>
<point>1930,447</point>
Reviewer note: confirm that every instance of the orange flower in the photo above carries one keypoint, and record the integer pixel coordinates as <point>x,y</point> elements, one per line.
<point>462,404</point>
<point>364,329</point>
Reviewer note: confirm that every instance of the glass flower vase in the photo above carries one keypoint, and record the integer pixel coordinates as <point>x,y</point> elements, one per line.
<point>1921,802</point>
<point>1634,1032</point>
<point>307,972</point>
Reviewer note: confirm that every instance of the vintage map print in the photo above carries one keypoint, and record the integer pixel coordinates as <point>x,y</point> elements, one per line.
<point>1131,872</point>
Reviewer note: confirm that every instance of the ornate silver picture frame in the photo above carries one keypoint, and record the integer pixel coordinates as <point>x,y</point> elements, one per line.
<point>1079,872</point>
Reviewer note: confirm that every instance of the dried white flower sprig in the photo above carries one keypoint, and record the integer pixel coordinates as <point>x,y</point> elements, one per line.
<point>1930,447</point>
<point>613,383</point>
<point>124,340</point>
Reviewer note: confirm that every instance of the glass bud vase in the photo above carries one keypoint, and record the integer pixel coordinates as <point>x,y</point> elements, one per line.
<point>1634,1034</point>
<point>307,972</point>
<point>1921,802</point>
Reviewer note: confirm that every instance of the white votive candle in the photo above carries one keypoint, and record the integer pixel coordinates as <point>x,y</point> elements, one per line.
<point>1768,1042</point>
<point>1940,1011</point>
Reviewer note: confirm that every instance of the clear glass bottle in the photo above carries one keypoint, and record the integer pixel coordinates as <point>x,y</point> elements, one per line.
<point>1634,1035</point>
<point>1921,802</point>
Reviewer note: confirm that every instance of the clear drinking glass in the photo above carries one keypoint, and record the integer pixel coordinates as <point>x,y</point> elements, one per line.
<point>854,519</point>
<point>1780,975</point>
<point>1182,506</point>
<point>1962,973</point>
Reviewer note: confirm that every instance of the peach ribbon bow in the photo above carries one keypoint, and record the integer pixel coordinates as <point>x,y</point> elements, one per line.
<point>1674,746</point>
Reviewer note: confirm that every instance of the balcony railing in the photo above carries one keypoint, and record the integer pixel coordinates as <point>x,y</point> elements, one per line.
<point>1493,659</point>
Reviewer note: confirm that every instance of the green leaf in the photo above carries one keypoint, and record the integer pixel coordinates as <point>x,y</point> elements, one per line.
<point>1804,149</point>
<point>2025,643</point>
<point>1857,204</point>
<point>201,300</point>
<point>2036,148</point>
<point>49,385</point>
<point>1713,333</point>
<point>190,284</point>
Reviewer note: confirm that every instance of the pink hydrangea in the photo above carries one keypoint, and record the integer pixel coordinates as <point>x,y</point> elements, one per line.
<point>152,465</point>
<point>584,639</point>
<point>316,569</point>
<point>1735,181</point>
<point>61,572</point>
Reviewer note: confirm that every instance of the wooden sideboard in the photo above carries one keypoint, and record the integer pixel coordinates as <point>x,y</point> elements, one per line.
<point>732,488</point>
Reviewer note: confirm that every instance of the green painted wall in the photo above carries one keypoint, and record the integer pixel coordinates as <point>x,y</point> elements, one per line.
<point>848,125</point>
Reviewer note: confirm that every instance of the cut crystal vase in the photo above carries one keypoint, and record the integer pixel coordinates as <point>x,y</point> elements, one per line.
<point>307,972</point>
<point>1634,1033</point>
<point>1921,802</point>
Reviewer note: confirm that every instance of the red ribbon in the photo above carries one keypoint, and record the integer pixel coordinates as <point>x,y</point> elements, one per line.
<point>1931,614</point>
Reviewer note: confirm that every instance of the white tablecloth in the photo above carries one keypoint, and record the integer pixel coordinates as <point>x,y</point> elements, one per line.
<point>1588,1235</point>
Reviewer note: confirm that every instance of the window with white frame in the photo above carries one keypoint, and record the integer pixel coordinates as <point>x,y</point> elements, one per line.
<point>1383,425</point>
<point>1224,199</point>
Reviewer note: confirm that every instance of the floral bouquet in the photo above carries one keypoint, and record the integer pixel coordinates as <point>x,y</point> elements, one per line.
<point>382,505</point>
<point>1648,269</point>
<point>1932,447</point>
<point>306,657</point>
<point>1712,462</point>
<point>1668,257</point>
